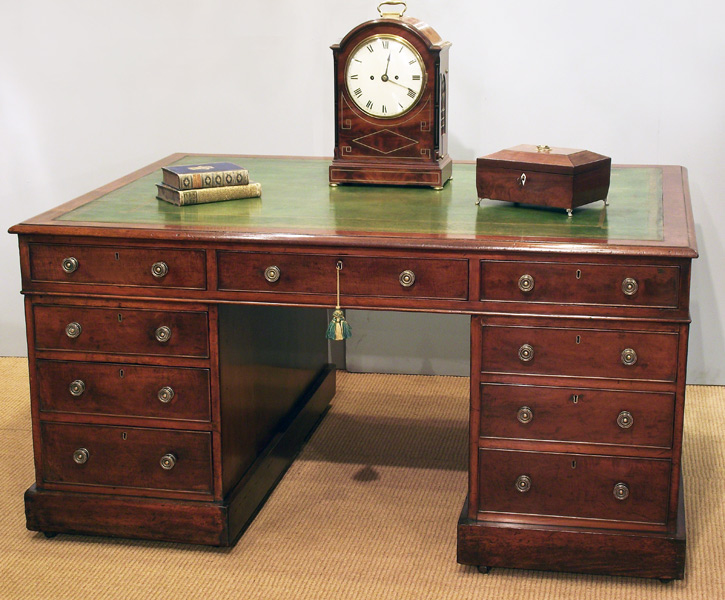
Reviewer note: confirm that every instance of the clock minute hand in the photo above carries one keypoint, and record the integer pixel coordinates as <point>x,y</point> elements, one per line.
<point>387,66</point>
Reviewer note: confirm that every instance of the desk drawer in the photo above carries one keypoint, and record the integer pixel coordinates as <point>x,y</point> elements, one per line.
<point>121,331</point>
<point>528,412</point>
<point>574,485</point>
<point>580,283</point>
<point>580,352</point>
<point>360,276</point>
<point>124,390</point>
<point>96,455</point>
<point>145,267</point>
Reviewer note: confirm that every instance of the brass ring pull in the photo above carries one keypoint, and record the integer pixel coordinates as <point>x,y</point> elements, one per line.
<point>526,283</point>
<point>69,264</point>
<point>630,286</point>
<point>168,462</point>
<point>621,491</point>
<point>166,394</point>
<point>523,483</point>
<point>525,415</point>
<point>163,334</point>
<point>81,455</point>
<point>159,269</point>
<point>407,278</point>
<point>272,274</point>
<point>73,330</point>
<point>625,419</point>
<point>526,353</point>
<point>77,388</point>
<point>629,357</point>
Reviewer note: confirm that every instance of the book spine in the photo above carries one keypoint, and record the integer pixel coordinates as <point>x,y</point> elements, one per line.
<point>192,181</point>
<point>206,195</point>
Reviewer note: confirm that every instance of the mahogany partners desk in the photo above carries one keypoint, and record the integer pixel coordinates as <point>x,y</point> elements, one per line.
<point>177,356</point>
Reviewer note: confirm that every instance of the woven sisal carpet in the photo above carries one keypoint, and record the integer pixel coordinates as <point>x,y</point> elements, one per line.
<point>368,510</point>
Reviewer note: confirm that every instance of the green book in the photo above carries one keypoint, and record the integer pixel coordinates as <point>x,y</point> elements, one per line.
<point>205,195</point>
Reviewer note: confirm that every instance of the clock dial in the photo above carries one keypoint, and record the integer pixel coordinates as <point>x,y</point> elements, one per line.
<point>385,76</point>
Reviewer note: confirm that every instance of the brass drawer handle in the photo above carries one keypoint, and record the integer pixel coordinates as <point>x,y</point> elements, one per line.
<point>526,353</point>
<point>630,286</point>
<point>168,462</point>
<point>629,357</point>
<point>163,334</point>
<point>69,264</point>
<point>407,278</point>
<point>625,419</point>
<point>73,330</point>
<point>523,483</point>
<point>621,491</point>
<point>525,414</point>
<point>272,274</point>
<point>166,394</point>
<point>81,455</point>
<point>526,283</point>
<point>159,269</point>
<point>77,388</point>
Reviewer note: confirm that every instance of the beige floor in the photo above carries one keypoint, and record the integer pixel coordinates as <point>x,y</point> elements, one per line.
<point>368,510</point>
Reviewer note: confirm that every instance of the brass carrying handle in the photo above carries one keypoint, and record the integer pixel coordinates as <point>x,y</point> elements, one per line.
<point>397,15</point>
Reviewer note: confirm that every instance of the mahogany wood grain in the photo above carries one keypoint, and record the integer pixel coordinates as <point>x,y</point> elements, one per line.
<point>124,390</point>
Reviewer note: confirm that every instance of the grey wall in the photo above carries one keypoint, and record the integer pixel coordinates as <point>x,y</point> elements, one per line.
<point>91,90</point>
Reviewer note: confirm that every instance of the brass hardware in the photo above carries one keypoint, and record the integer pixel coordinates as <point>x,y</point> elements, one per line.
<point>124,436</point>
<point>578,274</point>
<point>166,394</point>
<point>168,462</point>
<point>272,274</point>
<point>159,269</point>
<point>630,286</point>
<point>526,283</point>
<point>69,264</point>
<point>578,339</point>
<point>575,398</point>
<point>522,180</point>
<point>73,330</point>
<point>629,357</point>
<point>407,278</point>
<point>523,483</point>
<point>389,15</point>
<point>525,414</point>
<point>569,213</point>
<point>77,388</point>
<point>526,353</point>
<point>621,491</point>
<point>163,334</point>
<point>81,455</point>
<point>573,464</point>
<point>625,419</point>
<point>544,149</point>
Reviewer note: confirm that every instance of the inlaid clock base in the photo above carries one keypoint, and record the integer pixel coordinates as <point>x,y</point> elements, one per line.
<point>572,549</point>
<point>433,174</point>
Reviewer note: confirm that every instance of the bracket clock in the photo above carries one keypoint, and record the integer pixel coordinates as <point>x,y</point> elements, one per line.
<point>391,96</point>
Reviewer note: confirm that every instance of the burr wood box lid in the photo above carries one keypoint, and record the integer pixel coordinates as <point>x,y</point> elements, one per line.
<point>540,175</point>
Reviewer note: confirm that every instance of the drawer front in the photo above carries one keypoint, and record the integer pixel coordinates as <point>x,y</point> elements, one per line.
<point>121,331</point>
<point>577,415</point>
<point>579,283</point>
<point>124,390</point>
<point>126,457</point>
<point>145,267</point>
<point>574,485</point>
<point>580,352</point>
<point>360,276</point>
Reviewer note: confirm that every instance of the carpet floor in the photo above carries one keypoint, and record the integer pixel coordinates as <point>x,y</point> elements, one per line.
<point>368,510</point>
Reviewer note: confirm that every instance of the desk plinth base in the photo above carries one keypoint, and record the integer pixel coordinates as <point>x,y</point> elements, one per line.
<point>208,523</point>
<point>433,173</point>
<point>577,550</point>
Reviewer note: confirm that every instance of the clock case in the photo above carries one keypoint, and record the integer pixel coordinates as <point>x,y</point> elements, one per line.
<point>411,149</point>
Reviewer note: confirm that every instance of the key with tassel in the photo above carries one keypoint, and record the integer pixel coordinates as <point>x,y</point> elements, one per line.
<point>339,328</point>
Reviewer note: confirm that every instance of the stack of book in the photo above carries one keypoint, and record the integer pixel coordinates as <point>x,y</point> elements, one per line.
<point>212,182</point>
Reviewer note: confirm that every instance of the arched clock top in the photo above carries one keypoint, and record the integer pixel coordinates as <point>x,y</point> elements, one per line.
<point>424,32</point>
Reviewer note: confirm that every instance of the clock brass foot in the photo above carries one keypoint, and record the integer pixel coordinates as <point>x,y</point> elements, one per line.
<point>569,213</point>
<point>606,202</point>
<point>478,202</point>
<point>437,188</point>
<point>334,184</point>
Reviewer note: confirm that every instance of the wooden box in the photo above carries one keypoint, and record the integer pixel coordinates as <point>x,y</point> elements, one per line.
<point>543,176</point>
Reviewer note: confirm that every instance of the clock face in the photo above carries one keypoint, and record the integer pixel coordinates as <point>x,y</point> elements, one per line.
<point>385,76</point>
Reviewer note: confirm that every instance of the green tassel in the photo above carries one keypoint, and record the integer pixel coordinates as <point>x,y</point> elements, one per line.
<point>338,329</point>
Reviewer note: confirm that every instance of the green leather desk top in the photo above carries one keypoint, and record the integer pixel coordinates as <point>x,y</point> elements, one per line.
<point>296,197</point>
